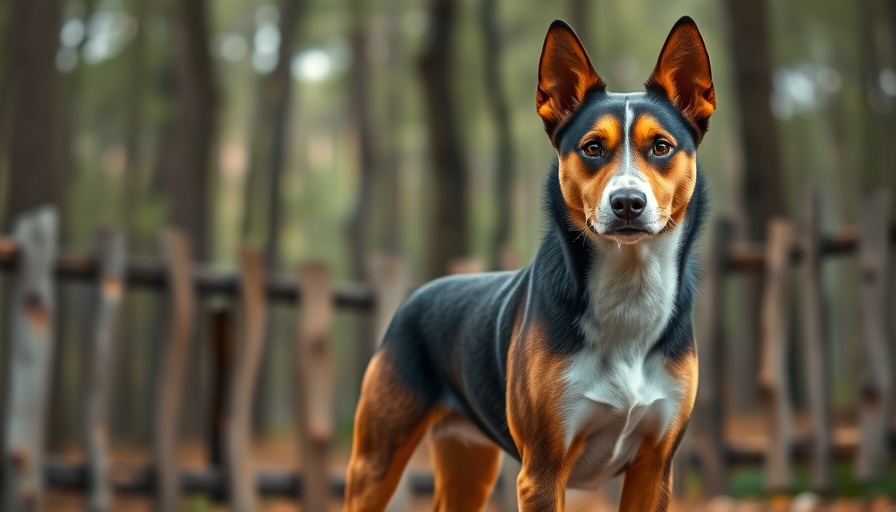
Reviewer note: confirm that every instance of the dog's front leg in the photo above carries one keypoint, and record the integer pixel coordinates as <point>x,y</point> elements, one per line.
<point>540,488</point>
<point>648,481</point>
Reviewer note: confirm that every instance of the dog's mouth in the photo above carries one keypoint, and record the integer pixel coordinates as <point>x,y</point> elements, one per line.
<point>622,232</point>
<point>628,231</point>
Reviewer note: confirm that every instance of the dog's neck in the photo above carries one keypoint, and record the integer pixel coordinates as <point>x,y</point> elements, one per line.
<point>631,292</point>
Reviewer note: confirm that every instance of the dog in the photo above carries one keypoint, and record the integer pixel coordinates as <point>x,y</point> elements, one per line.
<point>583,364</point>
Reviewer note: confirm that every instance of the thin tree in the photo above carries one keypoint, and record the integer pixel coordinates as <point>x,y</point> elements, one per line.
<point>752,66</point>
<point>580,17</point>
<point>762,168</point>
<point>358,225</point>
<point>275,107</point>
<point>447,235</point>
<point>189,176</point>
<point>390,188</point>
<point>32,121</point>
<point>500,113</point>
<point>34,153</point>
<point>281,98</point>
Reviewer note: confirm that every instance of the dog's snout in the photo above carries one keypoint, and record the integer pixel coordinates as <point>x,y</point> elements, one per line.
<point>628,203</point>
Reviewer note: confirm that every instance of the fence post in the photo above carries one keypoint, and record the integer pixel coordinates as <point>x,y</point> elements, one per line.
<point>816,347</point>
<point>181,318</point>
<point>709,411</point>
<point>315,381</point>
<point>32,317</point>
<point>876,388</point>
<point>773,384</point>
<point>221,327</point>
<point>110,291</point>
<point>390,280</point>
<point>253,302</point>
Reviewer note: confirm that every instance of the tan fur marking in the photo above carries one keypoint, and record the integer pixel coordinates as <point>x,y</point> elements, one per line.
<point>582,188</point>
<point>388,426</point>
<point>672,186</point>
<point>648,479</point>
<point>534,416</point>
<point>465,471</point>
<point>646,130</point>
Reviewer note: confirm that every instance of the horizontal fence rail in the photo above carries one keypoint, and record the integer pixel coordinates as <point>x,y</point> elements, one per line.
<point>751,256</point>
<point>207,279</point>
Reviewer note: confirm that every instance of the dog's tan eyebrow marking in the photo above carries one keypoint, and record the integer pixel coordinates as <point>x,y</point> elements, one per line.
<point>647,128</point>
<point>607,129</point>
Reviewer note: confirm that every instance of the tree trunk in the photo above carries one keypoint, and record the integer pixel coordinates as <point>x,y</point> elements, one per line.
<point>357,229</point>
<point>762,169</point>
<point>35,159</point>
<point>270,152</point>
<point>448,236</point>
<point>189,175</point>
<point>752,65</point>
<point>580,17</point>
<point>876,153</point>
<point>496,99</point>
<point>281,88</point>
<point>126,392</point>
<point>390,171</point>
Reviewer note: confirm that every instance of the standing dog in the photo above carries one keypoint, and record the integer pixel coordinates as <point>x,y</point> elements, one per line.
<point>583,363</point>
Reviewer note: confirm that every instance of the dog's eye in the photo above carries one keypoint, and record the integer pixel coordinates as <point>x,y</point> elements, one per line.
<point>593,148</point>
<point>662,147</point>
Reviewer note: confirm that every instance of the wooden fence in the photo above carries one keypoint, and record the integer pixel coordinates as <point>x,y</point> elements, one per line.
<point>787,248</point>
<point>31,256</point>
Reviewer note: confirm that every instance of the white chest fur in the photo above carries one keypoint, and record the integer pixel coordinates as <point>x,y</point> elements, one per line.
<point>616,394</point>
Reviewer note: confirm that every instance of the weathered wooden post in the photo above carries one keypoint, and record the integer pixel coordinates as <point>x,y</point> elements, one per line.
<point>221,325</point>
<point>253,322</point>
<point>773,384</point>
<point>315,381</point>
<point>816,347</point>
<point>390,280</point>
<point>709,426</point>
<point>876,388</point>
<point>32,343</point>
<point>110,291</point>
<point>170,378</point>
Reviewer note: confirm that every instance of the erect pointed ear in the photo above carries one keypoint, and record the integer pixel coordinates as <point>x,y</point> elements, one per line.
<point>683,74</point>
<point>565,75</point>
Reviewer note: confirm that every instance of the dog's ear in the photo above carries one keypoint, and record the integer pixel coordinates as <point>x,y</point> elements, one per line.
<point>565,75</point>
<point>683,75</point>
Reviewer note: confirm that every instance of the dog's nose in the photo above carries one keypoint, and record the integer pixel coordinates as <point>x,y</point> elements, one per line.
<point>628,203</point>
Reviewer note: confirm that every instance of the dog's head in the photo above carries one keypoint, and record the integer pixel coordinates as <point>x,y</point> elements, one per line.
<point>627,161</point>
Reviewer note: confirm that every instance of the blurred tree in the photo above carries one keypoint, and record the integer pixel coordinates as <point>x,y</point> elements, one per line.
<point>762,171</point>
<point>358,225</point>
<point>125,394</point>
<point>448,232</point>
<point>580,16</point>
<point>36,174</point>
<point>275,108</point>
<point>390,175</point>
<point>134,122</point>
<point>280,90</point>
<point>752,65</point>
<point>877,151</point>
<point>189,156</point>
<point>496,99</point>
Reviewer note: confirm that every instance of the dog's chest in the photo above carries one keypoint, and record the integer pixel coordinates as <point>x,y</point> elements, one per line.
<point>617,392</point>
